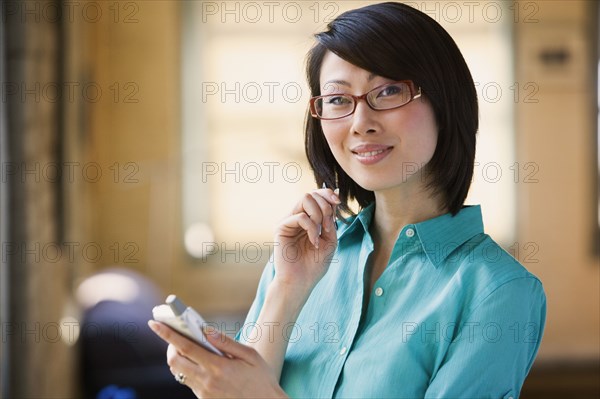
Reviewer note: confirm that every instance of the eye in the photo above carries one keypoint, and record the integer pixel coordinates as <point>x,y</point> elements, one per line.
<point>391,90</point>
<point>338,100</point>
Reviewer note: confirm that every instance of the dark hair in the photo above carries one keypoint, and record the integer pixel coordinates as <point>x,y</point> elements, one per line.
<point>398,42</point>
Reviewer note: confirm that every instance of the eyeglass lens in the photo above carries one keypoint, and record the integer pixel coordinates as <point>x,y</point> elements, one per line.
<point>385,97</point>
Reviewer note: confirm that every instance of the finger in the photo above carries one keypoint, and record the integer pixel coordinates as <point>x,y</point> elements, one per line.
<point>304,204</point>
<point>292,224</point>
<point>332,196</point>
<point>311,207</point>
<point>172,352</point>
<point>333,220</point>
<point>181,364</point>
<point>230,346</point>
<point>184,346</point>
<point>322,197</point>
<point>176,359</point>
<point>326,211</point>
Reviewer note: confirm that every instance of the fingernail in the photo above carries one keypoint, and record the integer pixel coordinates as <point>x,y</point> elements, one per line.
<point>154,326</point>
<point>211,331</point>
<point>335,197</point>
<point>317,243</point>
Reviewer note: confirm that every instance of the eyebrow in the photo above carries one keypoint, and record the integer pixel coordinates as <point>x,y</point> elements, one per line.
<point>346,83</point>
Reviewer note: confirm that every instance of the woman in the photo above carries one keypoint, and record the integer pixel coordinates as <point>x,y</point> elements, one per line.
<point>409,298</point>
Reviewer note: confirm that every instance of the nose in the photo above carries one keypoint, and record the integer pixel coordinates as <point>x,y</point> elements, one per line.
<point>364,120</point>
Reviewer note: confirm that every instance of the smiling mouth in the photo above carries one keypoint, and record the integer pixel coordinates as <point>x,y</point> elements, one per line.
<point>373,156</point>
<point>371,153</point>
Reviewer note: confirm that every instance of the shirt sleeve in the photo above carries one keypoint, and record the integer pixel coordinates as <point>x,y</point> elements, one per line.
<point>493,351</point>
<point>265,279</point>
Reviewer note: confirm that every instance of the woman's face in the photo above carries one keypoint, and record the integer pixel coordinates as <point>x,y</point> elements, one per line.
<point>379,150</point>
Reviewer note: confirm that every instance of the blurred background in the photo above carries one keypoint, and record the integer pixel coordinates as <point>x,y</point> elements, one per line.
<point>150,147</point>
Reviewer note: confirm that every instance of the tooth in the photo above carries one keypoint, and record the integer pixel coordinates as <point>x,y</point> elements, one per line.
<point>371,153</point>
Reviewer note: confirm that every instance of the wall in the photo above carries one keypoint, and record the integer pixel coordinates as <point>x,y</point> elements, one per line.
<point>555,215</point>
<point>136,206</point>
<point>130,135</point>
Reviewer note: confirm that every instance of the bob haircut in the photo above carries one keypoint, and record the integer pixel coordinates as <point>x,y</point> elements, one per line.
<point>398,42</point>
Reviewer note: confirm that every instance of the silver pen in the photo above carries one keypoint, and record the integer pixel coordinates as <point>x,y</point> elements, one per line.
<point>336,191</point>
<point>321,225</point>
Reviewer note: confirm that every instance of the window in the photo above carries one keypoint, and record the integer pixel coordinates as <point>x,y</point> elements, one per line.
<point>245,98</point>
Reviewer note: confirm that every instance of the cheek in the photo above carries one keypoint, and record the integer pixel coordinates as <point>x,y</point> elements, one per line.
<point>424,133</point>
<point>334,132</point>
<point>427,140</point>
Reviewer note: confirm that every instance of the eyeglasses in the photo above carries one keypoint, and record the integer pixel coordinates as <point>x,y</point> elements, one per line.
<point>388,96</point>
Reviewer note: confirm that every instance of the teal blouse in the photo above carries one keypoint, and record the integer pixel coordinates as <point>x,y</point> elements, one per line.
<point>452,316</point>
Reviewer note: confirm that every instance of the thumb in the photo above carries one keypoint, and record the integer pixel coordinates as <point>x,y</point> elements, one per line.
<point>331,235</point>
<point>230,346</point>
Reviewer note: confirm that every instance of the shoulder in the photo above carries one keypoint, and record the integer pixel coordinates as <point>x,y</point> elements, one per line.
<point>490,270</point>
<point>485,256</point>
<point>486,270</point>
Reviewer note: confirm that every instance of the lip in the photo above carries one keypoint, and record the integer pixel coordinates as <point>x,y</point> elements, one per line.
<point>369,154</point>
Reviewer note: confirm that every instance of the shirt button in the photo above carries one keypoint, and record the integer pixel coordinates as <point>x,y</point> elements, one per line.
<point>378,291</point>
<point>343,351</point>
<point>410,232</point>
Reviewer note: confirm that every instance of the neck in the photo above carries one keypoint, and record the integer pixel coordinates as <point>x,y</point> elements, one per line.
<point>399,206</point>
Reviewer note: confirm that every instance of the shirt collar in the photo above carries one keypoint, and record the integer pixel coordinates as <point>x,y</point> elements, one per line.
<point>438,237</point>
<point>363,219</point>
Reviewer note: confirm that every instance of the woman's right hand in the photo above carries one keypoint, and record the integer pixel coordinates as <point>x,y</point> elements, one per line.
<point>305,241</point>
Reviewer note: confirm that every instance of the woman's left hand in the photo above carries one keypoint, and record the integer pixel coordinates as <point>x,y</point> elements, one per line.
<point>241,373</point>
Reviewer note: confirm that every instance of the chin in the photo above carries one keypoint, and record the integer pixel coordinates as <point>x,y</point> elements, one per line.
<point>372,183</point>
